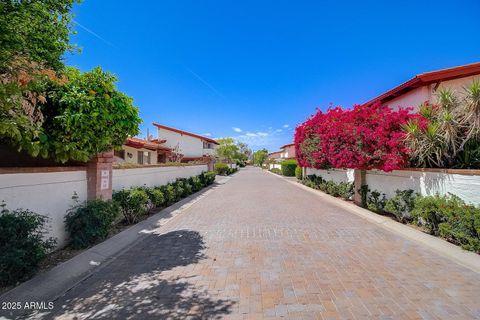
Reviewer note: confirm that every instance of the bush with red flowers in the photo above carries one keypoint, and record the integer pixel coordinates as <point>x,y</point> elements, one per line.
<point>364,137</point>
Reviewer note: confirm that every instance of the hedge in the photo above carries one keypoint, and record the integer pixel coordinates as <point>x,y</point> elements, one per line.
<point>446,216</point>
<point>288,167</point>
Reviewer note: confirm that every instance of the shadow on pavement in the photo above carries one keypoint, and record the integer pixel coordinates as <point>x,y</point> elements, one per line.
<point>140,284</point>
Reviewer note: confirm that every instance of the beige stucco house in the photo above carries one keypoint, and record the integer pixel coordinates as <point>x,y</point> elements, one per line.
<point>423,87</point>
<point>143,152</point>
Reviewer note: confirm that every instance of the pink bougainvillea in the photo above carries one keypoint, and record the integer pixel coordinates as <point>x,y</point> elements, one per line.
<point>364,137</point>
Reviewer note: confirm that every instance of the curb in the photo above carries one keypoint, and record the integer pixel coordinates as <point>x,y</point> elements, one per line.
<point>52,284</point>
<point>445,249</point>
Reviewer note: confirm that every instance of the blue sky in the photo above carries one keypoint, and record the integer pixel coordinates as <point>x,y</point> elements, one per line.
<point>253,70</point>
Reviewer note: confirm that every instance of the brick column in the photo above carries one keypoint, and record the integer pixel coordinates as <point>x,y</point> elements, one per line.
<point>210,164</point>
<point>359,181</point>
<point>99,176</point>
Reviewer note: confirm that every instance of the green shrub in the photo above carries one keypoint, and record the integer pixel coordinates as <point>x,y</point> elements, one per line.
<point>222,169</point>
<point>156,197</point>
<point>431,211</point>
<point>313,181</point>
<point>169,193</point>
<point>133,203</point>
<point>209,177</point>
<point>288,167</point>
<point>463,227</point>
<point>332,188</point>
<point>90,222</point>
<point>376,201</point>
<point>196,183</point>
<point>298,172</point>
<point>451,218</point>
<point>342,189</point>
<point>345,190</point>
<point>241,164</point>
<point>401,204</point>
<point>188,189</point>
<point>231,171</point>
<point>178,186</point>
<point>276,171</point>
<point>22,245</point>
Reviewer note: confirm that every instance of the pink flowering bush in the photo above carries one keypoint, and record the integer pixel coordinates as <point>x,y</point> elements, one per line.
<point>364,137</point>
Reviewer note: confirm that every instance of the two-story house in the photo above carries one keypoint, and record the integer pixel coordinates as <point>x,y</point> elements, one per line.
<point>191,146</point>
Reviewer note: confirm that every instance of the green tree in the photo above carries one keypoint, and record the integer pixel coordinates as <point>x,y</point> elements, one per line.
<point>36,30</point>
<point>244,151</point>
<point>34,35</point>
<point>45,108</point>
<point>260,156</point>
<point>85,116</point>
<point>227,150</point>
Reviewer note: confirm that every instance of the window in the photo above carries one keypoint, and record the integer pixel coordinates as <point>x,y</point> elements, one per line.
<point>207,145</point>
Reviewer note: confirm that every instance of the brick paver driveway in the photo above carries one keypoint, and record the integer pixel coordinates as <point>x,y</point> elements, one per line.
<point>259,247</point>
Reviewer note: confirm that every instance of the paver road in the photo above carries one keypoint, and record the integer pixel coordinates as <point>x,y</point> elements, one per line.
<point>258,247</point>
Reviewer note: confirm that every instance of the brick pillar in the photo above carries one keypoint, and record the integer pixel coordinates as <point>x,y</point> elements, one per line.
<point>359,181</point>
<point>99,176</point>
<point>210,164</point>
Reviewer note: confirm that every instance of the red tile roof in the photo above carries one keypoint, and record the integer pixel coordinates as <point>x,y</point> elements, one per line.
<point>141,143</point>
<point>287,145</point>
<point>185,132</point>
<point>427,78</point>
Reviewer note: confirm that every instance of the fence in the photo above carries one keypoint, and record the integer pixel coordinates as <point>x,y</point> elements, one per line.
<point>49,191</point>
<point>463,183</point>
<point>274,166</point>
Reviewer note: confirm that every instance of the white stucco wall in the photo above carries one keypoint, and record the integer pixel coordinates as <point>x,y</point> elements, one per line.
<point>188,146</point>
<point>48,193</point>
<point>274,165</point>
<point>466,187</point>
<point>419,95</point>
<point>153,176</point>
<point>335,175</point>
<point>427,183</point>
<point>412,98</point>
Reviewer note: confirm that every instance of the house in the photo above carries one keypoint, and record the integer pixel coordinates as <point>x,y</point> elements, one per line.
<point>287,151</point>
<point>423,87</point>
<point>190,146</point>
<point>274,156</point>
<point>145,152</point>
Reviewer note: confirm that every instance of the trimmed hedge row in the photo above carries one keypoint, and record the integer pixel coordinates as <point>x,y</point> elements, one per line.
<point>342,189</point>
<point>92,221</point>
<point>223,169</point>
<point>22,242</point>
<point>446,216</point>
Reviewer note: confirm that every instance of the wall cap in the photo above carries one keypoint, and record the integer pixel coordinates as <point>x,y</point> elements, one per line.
<point>13,170</point>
